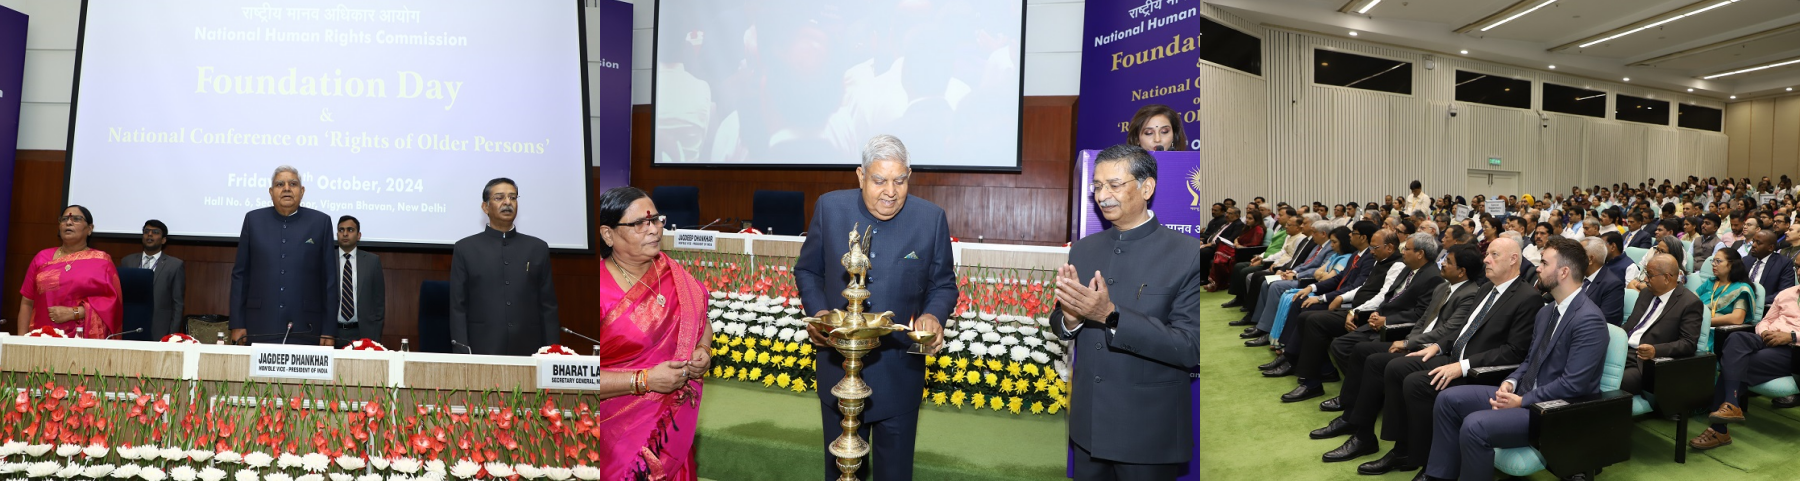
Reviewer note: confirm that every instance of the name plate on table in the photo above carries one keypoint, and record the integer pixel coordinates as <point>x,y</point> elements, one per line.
<point>568,372</point>
<point>696,239</point>
<point>293,362</point>
<point>1496,208</point>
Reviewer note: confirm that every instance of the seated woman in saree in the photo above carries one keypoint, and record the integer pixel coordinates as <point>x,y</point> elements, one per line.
<point>655,345</point>
<point>1728,293</point>
<point>72,287</point>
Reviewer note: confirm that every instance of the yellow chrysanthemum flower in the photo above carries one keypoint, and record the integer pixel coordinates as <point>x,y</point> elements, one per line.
<point>956,398</point>
<point>1055,407</point>
<point>996,403</point>
<point>993,364</point>
<point>1006,385</point>
<point>768,380</point>
<point>1039,386</point>
<point>783,380</point>
<point>1012,368</point>
<point>721,339</point>
<point>729,371</point>
<point>1037,407</point>
<point>762,358</point>
<point>734,342</point>
<point>1031,369</point>
<point>756,373</point>
<point>1015,404</point>
<point>799,385</point>
<point>737,357</point>
<point>974,378</point>
<point>750,352</point>
<point>716,370</point>
<point>978,400</point>
<point>765,343</point>
<point>743,375</point>
<point>780,346</point>
<point>806,349</point>
<point>930,360</point>
<point>991,379</point>
<point>944,362</point>
<point>938,398</point>
<point>962,364</point>
<point>942,378</point>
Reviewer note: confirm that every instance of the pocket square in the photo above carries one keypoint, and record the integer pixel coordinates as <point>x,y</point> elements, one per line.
<point>309,240</point>
<point>912,255</point>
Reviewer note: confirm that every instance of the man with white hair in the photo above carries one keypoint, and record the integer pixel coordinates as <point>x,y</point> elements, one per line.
<point>283,287</point>
<point>1600,285</point>
<point>910,273</point>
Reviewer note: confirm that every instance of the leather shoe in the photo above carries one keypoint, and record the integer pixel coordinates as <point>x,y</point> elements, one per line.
<point>1252,333</point>
<point>1785,402</point>
<point>1337,427</point>
<point>1335,404</point>
<point>1394,460</point>
<point>1302,393</point>
<point>1246,321</point>
<point>1709,439</point>
<point>1234,302</point>
<point>1285,369</point>
<point>1260,341</point>
<point>1353,448</point>
<point>1272,364</point>
<point>1727,414</point>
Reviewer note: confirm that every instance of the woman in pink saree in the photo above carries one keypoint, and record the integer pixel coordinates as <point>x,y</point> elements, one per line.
<point>655,346</point>
<point>72,287</point>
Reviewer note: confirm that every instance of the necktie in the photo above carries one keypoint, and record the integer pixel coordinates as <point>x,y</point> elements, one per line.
<point>1480,317</point>
<point>1756,271</point>
<point>347,308</point>
<point>1405,278</point>
<point>1648,316</point>
<point>1539,350</point>
<point>150,262</point>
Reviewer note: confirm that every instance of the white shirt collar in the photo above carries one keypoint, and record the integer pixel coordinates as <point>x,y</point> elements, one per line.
<point>1562,306</point>
<point>1454,287</point>
<point>352,252</point>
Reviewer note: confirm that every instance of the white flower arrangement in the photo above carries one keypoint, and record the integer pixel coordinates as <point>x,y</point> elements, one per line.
<point>173,453</point>
<point>465,469</point>
<point>127,471</point>
<point>990,337</point>
<point>586,473</point>
<point>69,471</point>
<point>95,451</point>
<point>152,473</point>
<point>527,471</point>
<point>97,471</point>
<point>245,475</point>
<point>68,450</point>
<point>38,450</point>
<point>42,468</point>
<point>406,465</point>
<point>210,473</point>
<point>315,462</point>
<point>277,476</point>
<point>287,461</point>
<point>1009,341</point>
<point>499,470</point>
<point>183,473</point>
<point>558,473</point>
<point>258,459</point>
<point>199,455</point>
<point>340,477</point>
<point>350,463</point>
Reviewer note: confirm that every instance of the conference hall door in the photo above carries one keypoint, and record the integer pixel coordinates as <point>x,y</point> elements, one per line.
<point>1490,184</point>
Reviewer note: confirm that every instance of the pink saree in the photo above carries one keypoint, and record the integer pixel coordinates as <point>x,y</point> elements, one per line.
<point>85,279</point>
<point>662,318</point>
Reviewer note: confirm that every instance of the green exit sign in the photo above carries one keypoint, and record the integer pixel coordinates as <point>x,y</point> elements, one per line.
<point>1494,161</point>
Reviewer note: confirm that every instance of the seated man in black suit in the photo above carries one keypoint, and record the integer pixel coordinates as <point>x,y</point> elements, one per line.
<point>1404,301</point>
<point>1664,323</point>
<point>1498,333</point>
<point>1450,307</point>
<point>1771,270</point>
<point>1318,328</point>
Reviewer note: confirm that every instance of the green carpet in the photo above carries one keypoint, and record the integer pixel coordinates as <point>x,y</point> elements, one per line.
<point>749,432</point>
<point>1247,433</point>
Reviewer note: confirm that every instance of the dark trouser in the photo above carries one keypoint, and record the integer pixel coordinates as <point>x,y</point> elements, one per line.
<point>1206,261</point>
<point>891,447</point>
<point>1295,323</point>
<point>1467,431</point>
<point>1745,361</point>
<point>347,336</point>
<point>1240,278</point>
<point>1409,397</point>
<point>1089,469</point>
<point>1632,380</point>
<point>1361,392</point>
<point>1321,329</point>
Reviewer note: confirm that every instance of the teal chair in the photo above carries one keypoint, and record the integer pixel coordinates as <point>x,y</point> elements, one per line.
<point>1676,388</point>
<point>1687,247</point>
<point>1578,436</point>
<point>1631,297</point>
<point>1636,254</point>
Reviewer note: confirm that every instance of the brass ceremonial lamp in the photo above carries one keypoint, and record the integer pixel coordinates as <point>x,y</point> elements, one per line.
<point>853,334</point>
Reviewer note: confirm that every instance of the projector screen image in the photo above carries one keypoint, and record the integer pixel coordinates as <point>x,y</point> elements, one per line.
<point>807,83</point>
<point>397,113</point>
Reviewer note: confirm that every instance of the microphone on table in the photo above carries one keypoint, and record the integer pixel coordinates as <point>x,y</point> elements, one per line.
<point>117,334</point>
<point>290,330</point>
<point>466,347</point>
<point>577,334</point>
<point>713,223</point>
<point>245,341</point>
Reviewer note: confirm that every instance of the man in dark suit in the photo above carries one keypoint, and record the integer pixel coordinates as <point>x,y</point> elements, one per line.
<point>1606,290</point>
<point>1497,333</point>
<point>1136,322</point>
<point>362,290</point>
<point>1225,234</point>
<point>1403,292</point>
<point>1766,267</point>
<point>1567,353</point>
<point>283,282</point>
<point>502,300</point>
<point>1616,260</point>
<point>1639,233</point>
<point>1451,304</point>
<point>911,273</point>
<point>170,285</point>
<point>1664,323</point>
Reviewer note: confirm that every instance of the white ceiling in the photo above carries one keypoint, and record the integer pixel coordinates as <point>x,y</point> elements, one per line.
<point>1675,55</point>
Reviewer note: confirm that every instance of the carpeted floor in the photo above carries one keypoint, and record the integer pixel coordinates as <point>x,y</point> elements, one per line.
<point>1247,433</point>
<point>748,432</point>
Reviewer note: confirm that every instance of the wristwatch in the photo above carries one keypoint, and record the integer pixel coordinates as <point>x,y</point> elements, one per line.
<point>1112,320</point>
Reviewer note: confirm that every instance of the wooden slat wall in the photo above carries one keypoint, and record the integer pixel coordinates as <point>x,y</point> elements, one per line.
<point>1028,207</point>
<point>37,197</point>
<point>1764,137</point>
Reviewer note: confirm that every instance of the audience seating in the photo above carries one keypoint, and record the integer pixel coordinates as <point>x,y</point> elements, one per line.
<point>1582,435</point>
